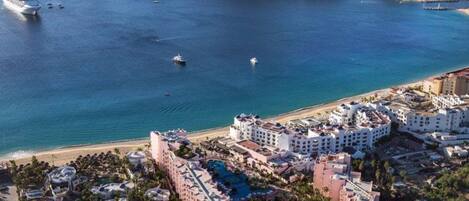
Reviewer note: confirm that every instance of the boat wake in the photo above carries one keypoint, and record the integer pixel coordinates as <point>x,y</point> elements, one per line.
<point>171,38</point>
<point>367,2</point>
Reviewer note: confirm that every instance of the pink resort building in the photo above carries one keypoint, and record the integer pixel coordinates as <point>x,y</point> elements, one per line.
<point>335,179</point>
<point>173,153</point>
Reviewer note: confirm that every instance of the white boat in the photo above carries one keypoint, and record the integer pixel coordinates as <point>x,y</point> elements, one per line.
<point>28,7</point>
<point>156,1</point>
<point>254,61</point>
<point>179,59</point>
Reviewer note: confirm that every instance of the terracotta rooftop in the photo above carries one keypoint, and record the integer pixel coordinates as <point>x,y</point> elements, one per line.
<point>249,144</point>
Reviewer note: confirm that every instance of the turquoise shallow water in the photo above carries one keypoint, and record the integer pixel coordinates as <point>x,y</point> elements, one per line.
<point>98,70</point>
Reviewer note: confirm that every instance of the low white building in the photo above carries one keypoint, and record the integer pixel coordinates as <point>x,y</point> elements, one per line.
<point>251,127</point>
<point>62,175</point>
<point>136,157</point>
<point>33,194</point>
<point>109,191</point>
<point>270,159</point>
<point>456,151</point>
<point>445,139</point>
<point>158,194</point>
<point>449,101</point>
<point>63,180</point>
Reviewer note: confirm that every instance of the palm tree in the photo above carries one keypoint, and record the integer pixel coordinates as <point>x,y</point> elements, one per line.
<point>387,166</point>
<point>378,176</point>
<point>361,167</point>
<point>403,174</point>
<point>373,164</point>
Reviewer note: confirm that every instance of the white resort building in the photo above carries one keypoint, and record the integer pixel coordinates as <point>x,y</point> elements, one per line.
<point>445,113</point>
<point>351,125</point>
<point>136,157</point>
<point>110,190</point>
<point>63,180</point>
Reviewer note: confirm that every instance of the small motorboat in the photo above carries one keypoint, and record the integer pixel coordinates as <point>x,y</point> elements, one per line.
<point>178,59</point>
<point>156,1</point>
<point>61,6</point>
<point>167,94</point>
<point>254,61</point>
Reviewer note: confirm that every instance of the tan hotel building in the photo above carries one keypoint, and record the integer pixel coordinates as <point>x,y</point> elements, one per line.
<point>453,83</point>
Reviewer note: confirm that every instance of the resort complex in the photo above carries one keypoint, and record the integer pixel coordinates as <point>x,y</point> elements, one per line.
<point>443,119</point>
<point>351,125</point>
<point>228,100</point>
<point>403,143</point>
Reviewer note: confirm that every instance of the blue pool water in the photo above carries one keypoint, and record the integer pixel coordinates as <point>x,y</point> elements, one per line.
<point>99,70</point>
<point>238,182</point>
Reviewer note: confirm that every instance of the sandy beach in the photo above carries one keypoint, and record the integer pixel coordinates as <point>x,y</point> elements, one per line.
<point>65,155</point>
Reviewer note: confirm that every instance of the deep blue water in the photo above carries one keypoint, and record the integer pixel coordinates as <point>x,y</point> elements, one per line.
<point>98,70</point>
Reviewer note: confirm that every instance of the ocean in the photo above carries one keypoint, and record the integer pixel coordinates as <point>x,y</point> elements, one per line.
<point>101,70</point>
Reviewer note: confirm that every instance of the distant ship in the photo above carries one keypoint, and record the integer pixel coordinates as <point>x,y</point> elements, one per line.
<point>28,7</point>
<point>254,61</point>
<point>179,60</point>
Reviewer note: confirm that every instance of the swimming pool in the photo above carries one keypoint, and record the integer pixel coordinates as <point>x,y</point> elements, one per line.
<point>235,184</point>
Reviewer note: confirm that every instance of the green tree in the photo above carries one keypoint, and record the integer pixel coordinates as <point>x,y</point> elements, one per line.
<point>450,186</point>
<point>403,174</point>
<point>374,163</point>
<point>378,176</point>
<point>87,195</point>
<point>387,166</point>
<point>361,167</point>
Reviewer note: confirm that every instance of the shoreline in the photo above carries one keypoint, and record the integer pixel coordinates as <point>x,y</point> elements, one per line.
<point>62,155</point>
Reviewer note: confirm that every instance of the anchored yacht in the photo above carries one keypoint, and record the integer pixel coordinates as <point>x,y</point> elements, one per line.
<point>253,61</point>
<point>179,60</point>
<point>28,7</point>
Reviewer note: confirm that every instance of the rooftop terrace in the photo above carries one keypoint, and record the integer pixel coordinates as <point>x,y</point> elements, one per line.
<point>172,135</point>
<point>255,147</point>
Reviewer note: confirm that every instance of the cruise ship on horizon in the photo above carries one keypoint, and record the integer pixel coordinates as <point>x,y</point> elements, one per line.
<point>28,7</point>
